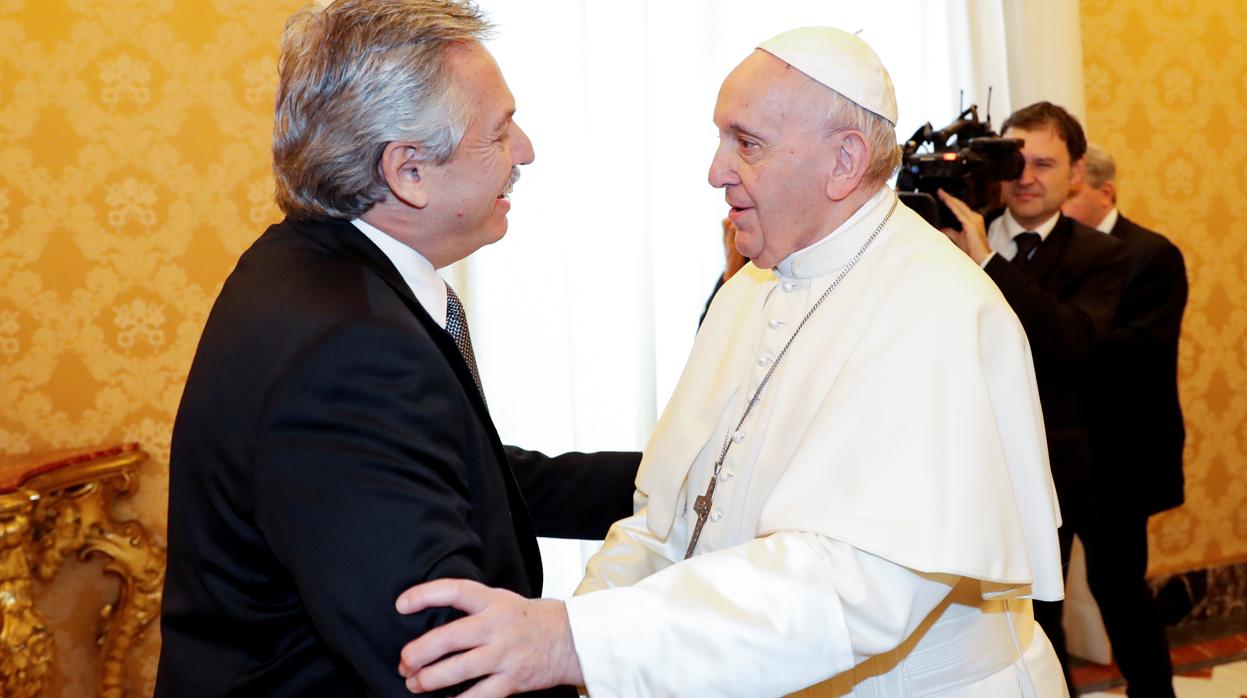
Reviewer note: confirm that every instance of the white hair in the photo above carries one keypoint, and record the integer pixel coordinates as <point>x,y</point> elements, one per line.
<point>843,114</point>
<point>1098,166</point>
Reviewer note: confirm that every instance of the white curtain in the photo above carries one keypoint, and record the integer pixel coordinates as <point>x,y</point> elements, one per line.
<point>583,315</point>
<point>1026,51</point>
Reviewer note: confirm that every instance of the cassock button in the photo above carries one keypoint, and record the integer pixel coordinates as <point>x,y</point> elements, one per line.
<point>738,436</point>
<point>715,516</point>
<point>788,285</point>
<point>764,360</point>
<point>726,476</point>
<point>776,323</point>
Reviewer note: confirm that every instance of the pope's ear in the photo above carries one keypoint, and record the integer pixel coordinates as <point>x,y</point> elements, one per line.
<point>850,159</point>
<point>404,172</point>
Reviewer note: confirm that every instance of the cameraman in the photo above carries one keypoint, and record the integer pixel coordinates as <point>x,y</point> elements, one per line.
<point>1064,281</point>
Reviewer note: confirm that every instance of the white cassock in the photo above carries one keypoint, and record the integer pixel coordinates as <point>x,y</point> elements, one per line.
<point>885,513</point>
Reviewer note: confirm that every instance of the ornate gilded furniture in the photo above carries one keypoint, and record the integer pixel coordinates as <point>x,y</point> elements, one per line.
<point>57,503</point>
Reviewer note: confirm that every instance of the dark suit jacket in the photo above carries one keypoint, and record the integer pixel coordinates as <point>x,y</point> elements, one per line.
<point>1136,421</point>
<point>1066,298</point>
<point>331,450</point>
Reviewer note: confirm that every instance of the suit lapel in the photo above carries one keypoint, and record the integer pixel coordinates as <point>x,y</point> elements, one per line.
<point>345,239</point>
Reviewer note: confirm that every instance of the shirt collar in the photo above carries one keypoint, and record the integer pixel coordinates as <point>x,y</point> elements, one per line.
<point>1110,220</point>
<point>423,280</point>
<point>1014,229</point>
<point>837,248</point>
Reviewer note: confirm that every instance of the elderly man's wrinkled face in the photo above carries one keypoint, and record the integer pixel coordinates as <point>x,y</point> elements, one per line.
<point>773,159</point>
<point>1089,205</point>
<point>471,198</point>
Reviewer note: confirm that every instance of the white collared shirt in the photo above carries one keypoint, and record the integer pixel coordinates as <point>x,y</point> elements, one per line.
<point>1110,220</point>
<point>1004,229</point>
<point>418,272</point>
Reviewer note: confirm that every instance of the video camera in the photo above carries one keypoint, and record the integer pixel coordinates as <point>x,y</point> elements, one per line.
<point>967,159</point>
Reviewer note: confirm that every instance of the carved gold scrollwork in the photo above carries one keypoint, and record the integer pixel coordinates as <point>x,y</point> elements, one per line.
<point>25,644</point>
<point>56,533</point>
<point>74,514</point>
<point>140,564</point>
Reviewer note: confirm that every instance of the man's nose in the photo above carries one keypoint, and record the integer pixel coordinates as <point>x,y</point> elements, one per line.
<point>1027,176</point>
<point>521,148</point>
<point>721,173</point>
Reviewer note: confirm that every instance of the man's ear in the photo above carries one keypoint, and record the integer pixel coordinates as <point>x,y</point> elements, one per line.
<point>1110,190</point>
<point>1076,172</point>
<point>850,159</point>
<point>404,172</point>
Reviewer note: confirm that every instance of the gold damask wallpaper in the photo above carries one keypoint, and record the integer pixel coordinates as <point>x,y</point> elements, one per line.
<point>133,171</point>
<point>1166,85</point>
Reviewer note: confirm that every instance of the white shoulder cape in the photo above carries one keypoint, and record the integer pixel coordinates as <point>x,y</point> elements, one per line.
<point>908,424</point>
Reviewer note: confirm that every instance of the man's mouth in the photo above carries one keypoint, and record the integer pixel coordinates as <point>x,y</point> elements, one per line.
<point>515,176</point>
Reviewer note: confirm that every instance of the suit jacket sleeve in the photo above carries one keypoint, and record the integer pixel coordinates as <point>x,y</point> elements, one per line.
<point>575,495</point>
<point>1152,313</point>
<point>362,490</point>
<point>1067,327</point>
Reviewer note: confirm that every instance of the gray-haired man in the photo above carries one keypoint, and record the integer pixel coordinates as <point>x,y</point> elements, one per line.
<point>333,445</point>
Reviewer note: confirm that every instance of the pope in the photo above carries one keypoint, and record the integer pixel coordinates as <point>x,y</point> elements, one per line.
<point>849,491</point>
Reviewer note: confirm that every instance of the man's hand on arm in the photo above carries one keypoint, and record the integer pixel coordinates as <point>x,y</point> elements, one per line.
<point>972,238</point>
<point>515,644</point>
<point>807,606</point>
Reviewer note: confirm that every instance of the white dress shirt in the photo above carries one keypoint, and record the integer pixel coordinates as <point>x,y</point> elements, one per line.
<point>1107,223</point>
<point>418,272</point>
<point>1004,229</point>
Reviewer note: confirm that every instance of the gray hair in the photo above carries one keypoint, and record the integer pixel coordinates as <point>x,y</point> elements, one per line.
<point>843,114</point>
<point>1099,166</point>
<point>354,77</point>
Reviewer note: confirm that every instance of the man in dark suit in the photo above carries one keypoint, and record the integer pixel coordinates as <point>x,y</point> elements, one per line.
<point>1136,429</point>
<point>1064,281</point>
<point>333,445</point>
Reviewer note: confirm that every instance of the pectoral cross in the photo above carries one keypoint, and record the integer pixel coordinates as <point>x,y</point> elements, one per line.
<point>701,505</point>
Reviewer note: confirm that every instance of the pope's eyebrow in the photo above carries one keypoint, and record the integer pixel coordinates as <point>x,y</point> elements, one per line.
<point>738,129</point>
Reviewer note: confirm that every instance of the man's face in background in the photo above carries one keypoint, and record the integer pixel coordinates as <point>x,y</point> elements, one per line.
<point>1089,204</point>
<point>1046,180</point>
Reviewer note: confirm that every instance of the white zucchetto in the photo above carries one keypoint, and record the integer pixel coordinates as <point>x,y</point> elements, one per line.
<point>840,61</point>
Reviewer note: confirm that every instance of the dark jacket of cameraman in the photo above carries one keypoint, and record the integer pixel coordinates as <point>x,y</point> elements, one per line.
<point>1066,297</point>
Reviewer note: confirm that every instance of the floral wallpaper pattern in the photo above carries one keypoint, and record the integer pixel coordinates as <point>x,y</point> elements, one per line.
<point>133,171</point>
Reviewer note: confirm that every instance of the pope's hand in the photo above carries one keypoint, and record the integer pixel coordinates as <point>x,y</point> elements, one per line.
<point>515,644</point>
<point>972,238</point>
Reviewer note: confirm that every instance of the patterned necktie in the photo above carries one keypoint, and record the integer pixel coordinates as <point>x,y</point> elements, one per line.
<point>1026,242</point>
<point>457,326</point>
